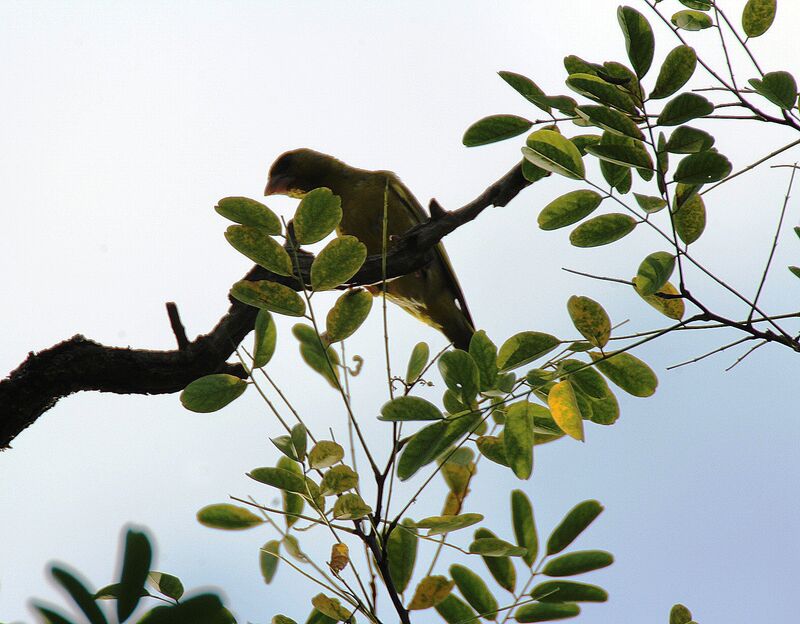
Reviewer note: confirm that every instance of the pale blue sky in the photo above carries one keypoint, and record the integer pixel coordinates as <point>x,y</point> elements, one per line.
<point>125,122</point>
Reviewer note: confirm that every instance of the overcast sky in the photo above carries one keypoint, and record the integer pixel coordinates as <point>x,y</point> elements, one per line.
<point>124,123</point>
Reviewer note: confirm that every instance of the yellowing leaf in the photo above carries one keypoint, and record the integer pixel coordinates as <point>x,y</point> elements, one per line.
<point>430,592</point>
<point>590,319</point>
<point>564,408</point>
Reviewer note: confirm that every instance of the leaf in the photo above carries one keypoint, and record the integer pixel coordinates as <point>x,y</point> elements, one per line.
<point>531,172</point>
<point>409,408</point>
<point>778,87</point>
<point>573,524</point>
<point>265,339</point>
<point>77,590</point>
<point>282,619</point>
<point>650,204</point>
<point>526,88</point>
<point>337,262</point>
<point>795,270</point>
<point>318,213</point>
<point>350,506</point>
<point>688,140</point>
<point>268,560</point>
<point>338,479</point>
<point>249,212</point>
<point>702,168</point>
<point>677,68</point>
<point>323,360</point>
<point>417,361</point>
<point>523,348</point>
<point>701,5</point>
<point>460,373</point>
<point>331,607</point>
<point>690,219</point>
<point>623,155</point>
<point>581,141</point>
<point>552,152</point>
<point>430,592</point>
<point>270,296</point>
<point>317,617</point>
<point>51,616</point>
<point>167,584</point>
<point>685,107</point>
<point>628,372</point>
<point>495,547</point>
<point>260,247</point>
<point>474,589</point>
<point>347,314</point>
<point>495,128</point>
<point>401,551</point>
<point>288,481</point>
<point>136,561</point>
<point>293,504</point>
<point>653,273</point>
<point>212,392</point>
<point>564,408</point>
<point>546,612</point>
<point>325,454</point>
<point>428,443</point>
<point>595,88</point>
<point>602,230</point>
<point>202,609</point>
<point>691,20</point>
<point>610,119</point>
<point>524,526</point>
<point>639,40</point>
<point>227,517</point>
<point>590,319</point>
<point>679,614</point>
<point>758,16</point>
<point>439,525</point>
<point>568,591</point>
<point>671,307</point>
<point>518,439</point>
<point>578,562</point>
<point>568,209</point>
<point>501,568</point>
<point>455,611</point>
<point>484,353</point>
<point>493,448</point>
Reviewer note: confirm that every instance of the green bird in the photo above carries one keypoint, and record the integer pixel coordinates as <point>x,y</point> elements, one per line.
<point>432,293</point>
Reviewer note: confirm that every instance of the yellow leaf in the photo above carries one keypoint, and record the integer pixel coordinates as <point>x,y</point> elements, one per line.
<point>564,408</point>
<point>430,592</point>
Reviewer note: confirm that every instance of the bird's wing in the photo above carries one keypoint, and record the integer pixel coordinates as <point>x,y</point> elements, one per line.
<point>414,208</point>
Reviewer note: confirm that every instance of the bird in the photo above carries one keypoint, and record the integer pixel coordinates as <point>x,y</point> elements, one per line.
<point>431,294</point>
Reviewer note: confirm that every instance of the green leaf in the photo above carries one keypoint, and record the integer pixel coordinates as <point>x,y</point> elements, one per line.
<point>568,209</point>
<point>323,360</point>
<point>317,617</point>
<point>51,616</point>
<point>285,445</point>
<point>429,442</point>
<point>702,168</point>
<point>778,87</point>
<point>524,526</point>
<point>671,307</point>
<point>531,172</point>
<point>581,141</point>
<point>564,407</point>
<point>299,437</point>
<point>700,5</point>
<point>628,372</point>
<point>475,590</point>
<point>331,607</point>
<point>495,128</point>
<point>430,591</point>
<point>166,584</point>
<point>318,213</point>
<point>685,107</point>
<point>688,140</point>
<point>679,614</point>
<point>460,373</point>
<point>546,612</point>
<point>576,65</point>
<point>578,562</point>
<point>288,481</point>
<point>260,247</point>
<point>267,295</point>
<point>249,212</point>
<point>624,155</point>
<point>602,230</point>
<point>439,525</point>
<point>677,68</point>
<point>338,479</point>
<point>650,204</point>
<point>202,609</point>
<point>293,503</point>
<point>795,270</point>
<point>265,339</point>
<point>518,439</point>
<point>325,454</point>
<point>595,88</point>
<point>525,347</point>
<point>401,552</point>
<point>590,319</point>
<point>282,619</point>
<point>268,560</point>
<point>568,591</point>
<point>690,219</point>
<point>654,271</point>
<point>501,568</point>
<point>758,16</point>
<point>552,152</point>
<point>573,524</point>
<point>337,262</point>
<point>493,448</point>
<point>227,517</point>
<point>136,561</point>
<point>409,408</point>
<point>484,353</point>
<point>610,119</point>
<point>347,314</point>
<point>77,590</point>
<point>455,611</point>
<point>495,547</point>
<point>417,361</point>
<point>526,88</point>
<point>212,392</point>
<point>639,40</point>
<point>691,20</point>
<point>350,507</point>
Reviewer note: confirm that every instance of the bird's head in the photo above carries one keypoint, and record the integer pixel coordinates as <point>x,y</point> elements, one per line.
<point>297,172</point>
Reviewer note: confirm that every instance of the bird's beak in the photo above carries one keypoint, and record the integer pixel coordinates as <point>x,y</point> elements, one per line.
<point>277,185</point>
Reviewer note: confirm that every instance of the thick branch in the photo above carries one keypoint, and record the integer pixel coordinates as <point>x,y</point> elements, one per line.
<point>80,364</point>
